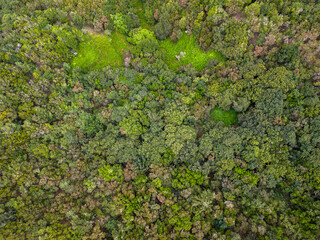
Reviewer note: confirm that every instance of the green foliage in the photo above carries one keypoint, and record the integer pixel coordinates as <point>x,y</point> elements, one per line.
<point>180,223</point>
<point>288,53</point>
<point>7,6</point>
<point>88,124</point>
<point>78,20</point>
<point>7,215</point>
<point>135,124</point>
<point>119,23</point>
<point>144,40</point>
<point>163,28</point>
<point>140,9</point>
<point>54,15</point>
<point>90,185</point>
<point>227,117</point>
<point>111,173</point>
<point>185,178</point>
<point>204,201</point>
<point>66,35</point>
<point>65,186</point>
<point>247,175</point>
<point>7,22</point>
<point>92,150</point>
<point>138,35</point>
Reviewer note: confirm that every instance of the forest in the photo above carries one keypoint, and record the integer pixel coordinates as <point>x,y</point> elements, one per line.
<point>160,119</point>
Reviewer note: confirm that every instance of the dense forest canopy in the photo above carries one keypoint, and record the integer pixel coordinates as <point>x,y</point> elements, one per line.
<point>160,119</point>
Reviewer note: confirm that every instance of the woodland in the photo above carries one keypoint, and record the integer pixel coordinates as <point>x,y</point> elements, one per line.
<point>160,119</point>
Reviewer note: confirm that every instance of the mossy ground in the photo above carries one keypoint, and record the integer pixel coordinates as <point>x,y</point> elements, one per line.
<point>194,54</point>
<point>99,51</point>
<point>227,117</point>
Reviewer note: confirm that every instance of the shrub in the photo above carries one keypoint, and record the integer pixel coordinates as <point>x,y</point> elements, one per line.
<point>119,23</point>
<point>78,21</point>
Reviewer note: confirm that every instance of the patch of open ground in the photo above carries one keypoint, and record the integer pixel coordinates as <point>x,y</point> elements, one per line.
<point>191,53</point>
<point>99,51</point>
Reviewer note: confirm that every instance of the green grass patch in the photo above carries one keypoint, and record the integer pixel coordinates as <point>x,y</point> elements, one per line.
<point>194,54</point>
<point>227,117</point>
<point>99,51</point>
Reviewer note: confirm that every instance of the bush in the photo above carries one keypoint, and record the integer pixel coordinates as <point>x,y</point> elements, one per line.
<point>119,23</point>
<point>138,35</point>
<point>78,21</point>
<point>163,29</point>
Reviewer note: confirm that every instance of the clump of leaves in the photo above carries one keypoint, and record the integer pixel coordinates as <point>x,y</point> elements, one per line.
<point>111,173</point>
<point>139,35</point>
<point>144,40</point>
<point>203,201</point>
<point>185,178</point>
<point>246,176</point>
<point>135,124</point>
<point>119,23</point>
<point>181,219</point>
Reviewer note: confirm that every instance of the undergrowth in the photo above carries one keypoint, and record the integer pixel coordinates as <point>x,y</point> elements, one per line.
<point>227,117</point>
<point>99,51</point>
<point>193,53</point>
<point>138,5</point>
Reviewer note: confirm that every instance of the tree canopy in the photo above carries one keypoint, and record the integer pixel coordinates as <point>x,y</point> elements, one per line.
<point>172,119</point>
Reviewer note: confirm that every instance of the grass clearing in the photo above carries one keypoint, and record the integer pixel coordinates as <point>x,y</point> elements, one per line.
<point>194,54</point>
<point>227,117</point>
<point>99,51</point>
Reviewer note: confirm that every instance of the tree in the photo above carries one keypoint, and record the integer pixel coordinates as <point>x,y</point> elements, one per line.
<point>163,28</point>
<point>135,124</point>
<point>119,23</point>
